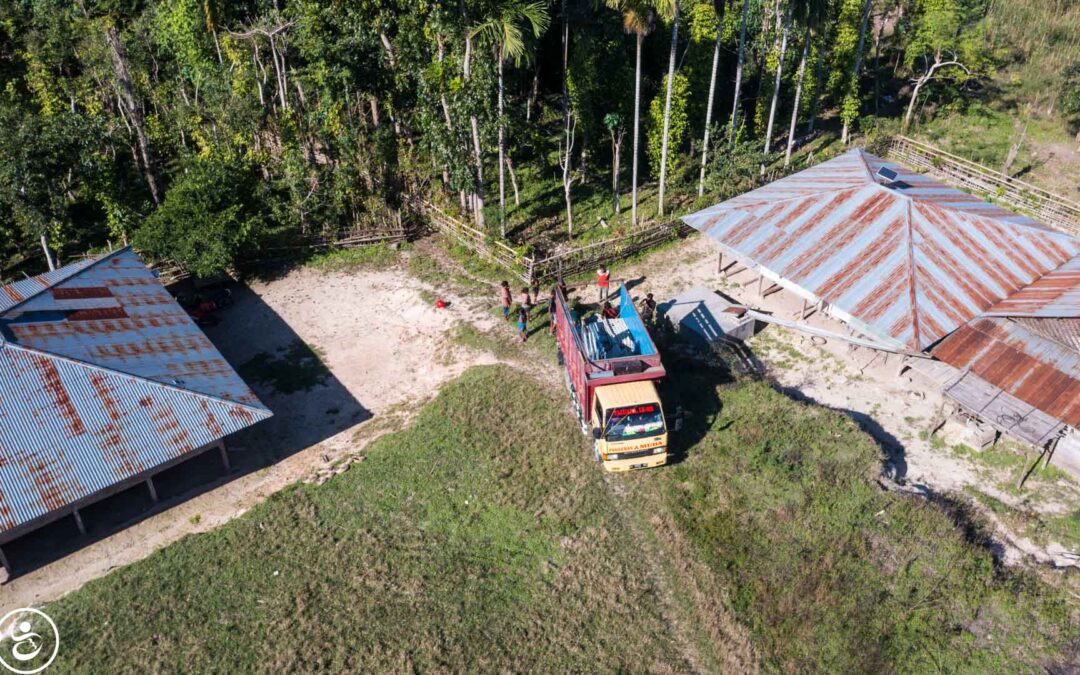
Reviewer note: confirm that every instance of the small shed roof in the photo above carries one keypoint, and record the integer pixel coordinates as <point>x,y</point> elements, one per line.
<point>103,377</point>
<point>1038,371</point>
<point>907,257</point>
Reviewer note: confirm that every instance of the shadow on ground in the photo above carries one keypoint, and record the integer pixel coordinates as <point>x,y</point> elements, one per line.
<point>309,404</point>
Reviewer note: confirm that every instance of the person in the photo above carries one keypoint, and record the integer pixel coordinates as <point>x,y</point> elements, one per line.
<point>551,309</point>
<point>525,300</point>
<point>523,323</point>
<point>609,311</point>
<point>535,289</point>
<point>603,279</point>
<point>505,299</point>
<point>648,309</point>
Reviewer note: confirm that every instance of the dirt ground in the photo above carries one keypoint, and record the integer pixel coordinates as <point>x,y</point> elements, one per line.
<point>386,348</point>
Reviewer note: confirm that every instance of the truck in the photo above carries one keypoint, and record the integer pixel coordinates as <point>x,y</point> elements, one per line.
<point>611,367</point>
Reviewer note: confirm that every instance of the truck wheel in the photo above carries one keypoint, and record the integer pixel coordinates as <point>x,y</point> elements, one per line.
<point>559,356</point>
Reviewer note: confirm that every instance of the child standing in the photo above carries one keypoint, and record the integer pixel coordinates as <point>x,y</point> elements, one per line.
<point>523,324</point>
<point>505,299</point>
<point>603,279</point>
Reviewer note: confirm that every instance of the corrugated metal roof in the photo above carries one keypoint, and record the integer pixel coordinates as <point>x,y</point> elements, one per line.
<point>103,376</point>
<point>1055,295</point>
<point>19,291</point>
<point>910,262</point>
<point>1040,372</point>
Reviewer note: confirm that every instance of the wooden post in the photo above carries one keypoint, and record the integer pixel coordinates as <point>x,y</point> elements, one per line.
<point>224,455</point>
<point>153,490</point>
<point>79,522</point>
<point>760,283</point>
<point>720,262</point>
<point>4,563</point>
<point>802,312</point>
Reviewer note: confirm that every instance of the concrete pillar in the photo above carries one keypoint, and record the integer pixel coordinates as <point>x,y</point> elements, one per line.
<point>153,490</point>
<point>720,262</point>
<point>760,284</point>
<point>79,521</point>
<point>224,455</point>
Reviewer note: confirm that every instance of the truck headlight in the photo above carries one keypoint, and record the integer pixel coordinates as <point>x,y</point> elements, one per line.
<point>613,455</point>
<point>657,451</point>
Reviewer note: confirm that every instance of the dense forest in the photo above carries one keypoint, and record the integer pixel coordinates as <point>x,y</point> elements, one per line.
<point>216,132</point>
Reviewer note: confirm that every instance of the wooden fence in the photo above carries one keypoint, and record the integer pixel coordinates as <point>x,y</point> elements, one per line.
<point>1044,206</point>
<point>548,267</point>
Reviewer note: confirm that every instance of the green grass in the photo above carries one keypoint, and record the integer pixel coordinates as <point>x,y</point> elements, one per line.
<point>471,541</point>
<point>377,256</point>
<point>297,367</point>
<point>829,572</point>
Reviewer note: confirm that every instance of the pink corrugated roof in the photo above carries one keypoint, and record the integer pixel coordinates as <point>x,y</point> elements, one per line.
<point>1054,295</point>
<point>910,260</point>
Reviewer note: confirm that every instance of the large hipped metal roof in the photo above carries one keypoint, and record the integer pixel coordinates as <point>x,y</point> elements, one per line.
<point>1054,295</point>
<point>907,258</point>
<point>103,377</point>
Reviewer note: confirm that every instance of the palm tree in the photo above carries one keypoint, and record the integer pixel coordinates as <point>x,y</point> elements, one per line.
<point>719,6</point>
<point>670,8</point>
<point>811,13</point>
<point>778,79</point>
<point>738,77</point>
<point>503,31</point>
<point>638,18</point>
<point>854,87</point>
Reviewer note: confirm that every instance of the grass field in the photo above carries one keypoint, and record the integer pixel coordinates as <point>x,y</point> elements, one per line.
<point>470,541</point>
<point>482,538</point>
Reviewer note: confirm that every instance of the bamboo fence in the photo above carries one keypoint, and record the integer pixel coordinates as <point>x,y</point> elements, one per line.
<point>1046,207</point>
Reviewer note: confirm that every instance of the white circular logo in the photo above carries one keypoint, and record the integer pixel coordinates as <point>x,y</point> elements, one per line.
<point>29,641</point>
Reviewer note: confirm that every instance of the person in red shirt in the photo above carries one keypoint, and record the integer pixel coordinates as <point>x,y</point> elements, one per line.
<point>609,312</point>
<point>603,280</point>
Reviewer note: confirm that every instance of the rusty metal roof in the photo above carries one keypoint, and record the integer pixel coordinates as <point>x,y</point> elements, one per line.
<point>1054,295</point>
<point>1040,372</point>
<point>103,376</point>
<point>908,259</point>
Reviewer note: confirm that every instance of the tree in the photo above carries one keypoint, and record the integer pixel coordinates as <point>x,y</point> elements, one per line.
<point>674,118</point>
<point>811,13</point>
<point>617,129</point>
<point>738,77</point>
<point>719,7</point>
<point>939,46</point>
<point>1069,98</point>
<point>850,106</point>
<point>503,31</point>
<point>671,8</point>
<point>638,18</point>
<point>209,214</point>
<point>778,78</point>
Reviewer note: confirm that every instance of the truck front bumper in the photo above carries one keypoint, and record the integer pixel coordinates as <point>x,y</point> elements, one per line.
<point>631,463</point>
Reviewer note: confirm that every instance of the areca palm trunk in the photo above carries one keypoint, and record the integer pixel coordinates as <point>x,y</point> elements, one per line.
<point>667,106</point>
<point>738,77</point>
<point>712,94</point>
<point>637,124</point>
<point>798,97</point>
<point>858,66</point>
<point>502,154</point>
<point>776,84</point>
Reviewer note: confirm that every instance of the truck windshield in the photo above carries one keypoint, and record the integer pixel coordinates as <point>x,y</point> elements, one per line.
<point>634,422</point>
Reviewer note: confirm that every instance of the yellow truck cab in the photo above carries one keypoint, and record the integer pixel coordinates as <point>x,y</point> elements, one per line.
<point>628,426</point>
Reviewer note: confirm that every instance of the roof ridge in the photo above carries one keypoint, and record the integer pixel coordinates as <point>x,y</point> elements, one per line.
<point>913,281</point>
<point>113,371</point>
<point>78,270</point>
